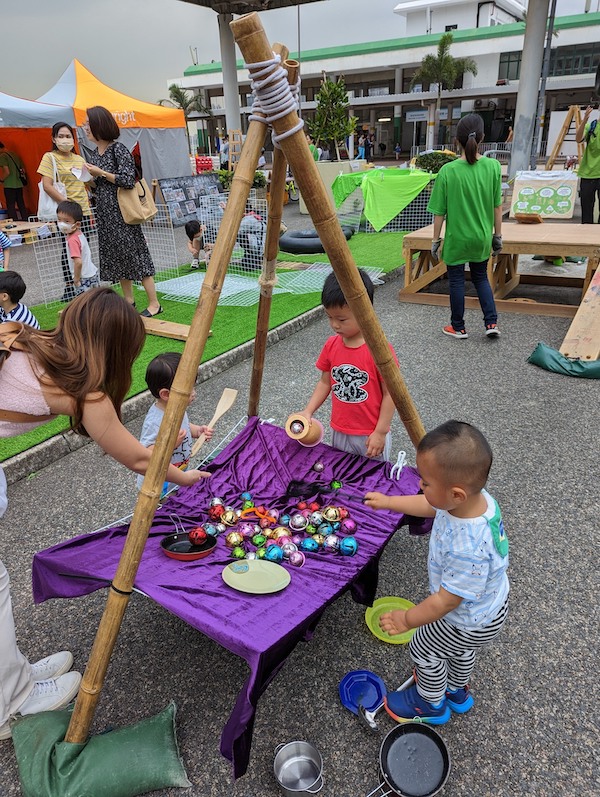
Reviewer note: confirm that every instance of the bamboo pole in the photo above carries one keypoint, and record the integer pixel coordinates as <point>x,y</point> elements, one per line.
<point>276,194</point>
<point>183,384</point>
<point>252,41</point>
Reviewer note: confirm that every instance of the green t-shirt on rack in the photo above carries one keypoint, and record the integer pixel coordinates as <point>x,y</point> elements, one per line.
<point>466,194</point>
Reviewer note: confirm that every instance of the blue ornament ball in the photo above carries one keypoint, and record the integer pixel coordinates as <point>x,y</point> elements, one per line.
<point>274,553</point>
<point>348,546</point>
<point>310,545</point>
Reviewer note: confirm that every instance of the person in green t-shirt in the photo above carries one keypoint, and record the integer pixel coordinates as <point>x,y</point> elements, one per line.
<point>468,194</point>
<point>589,168</point>
<point>314,150</point>
<point>10,164</point>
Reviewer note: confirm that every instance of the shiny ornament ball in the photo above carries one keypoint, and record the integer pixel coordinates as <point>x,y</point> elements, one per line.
<point>216,502</point>
<point>336,485</point>
<point>348,526</point>
<point>250,555</point>
<point>319,539</point>
<point>281,532</point>
<point>238,552</point>
<point>343,512</point>
<point>198,536</point>
<point>284,519</point>
<point>297,559</point>
<point>230,509</point>
<point>310,529</point>
<point>221,528</point>
<point>274,554</point>
<point>211,529</point>
<point>259,540</point>
<point>264,523</point>
<point>269,543</point>
<point>316,518</point>
<point>301,505</point>
<point>331,513</point>
<point>336,526</point>
<point>332,542</point>
<point>270,533</point>
<point>216,511</point>
<point>288,548</point>
<point>297,539</point>
<point>298,522</point>
<point>229,518</point>
<point>238,513</point>
<point>284,540</point>
<point>310,545</point>
<point>249,504</point>
<point>261,510</point>
<point>274,514</point>
<point>246,529</point>
<point>325,528</point>
<point>348,546</point>
<point>314,506</point>
<point>318,467</point>
<point>246,496</point>
<point>297,427</point>
<point>261,553</point>
<point>234,538</point>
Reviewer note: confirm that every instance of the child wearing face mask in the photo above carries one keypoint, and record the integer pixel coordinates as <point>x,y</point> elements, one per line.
<point>84,274</point>
<point>68,166</point>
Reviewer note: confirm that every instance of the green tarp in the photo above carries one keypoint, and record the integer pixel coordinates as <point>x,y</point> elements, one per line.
<point>553,360</point>
<point>386,191</point>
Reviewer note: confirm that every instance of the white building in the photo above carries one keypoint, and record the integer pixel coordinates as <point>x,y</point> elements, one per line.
<point>378,74</point>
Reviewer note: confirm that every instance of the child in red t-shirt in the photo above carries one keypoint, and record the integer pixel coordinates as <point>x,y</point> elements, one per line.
<point>361,406</point>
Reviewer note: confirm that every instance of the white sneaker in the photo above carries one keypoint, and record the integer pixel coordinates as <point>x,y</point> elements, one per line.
<point>52,694</point>
<point>195,263</point>
<point>47,695</point>
<point>202,256</point>
<point>52,666</point>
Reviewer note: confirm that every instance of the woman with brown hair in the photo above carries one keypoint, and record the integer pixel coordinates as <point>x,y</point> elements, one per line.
<point>81,369</point>
<point>124,254</point>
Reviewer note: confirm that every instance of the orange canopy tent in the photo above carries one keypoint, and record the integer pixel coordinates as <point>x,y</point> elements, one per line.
<point>161,132</point>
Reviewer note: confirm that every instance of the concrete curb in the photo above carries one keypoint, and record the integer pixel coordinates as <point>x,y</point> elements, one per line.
<point>34,459</point>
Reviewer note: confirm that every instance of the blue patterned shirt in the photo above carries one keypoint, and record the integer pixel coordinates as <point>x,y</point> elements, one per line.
<point>464,559</point>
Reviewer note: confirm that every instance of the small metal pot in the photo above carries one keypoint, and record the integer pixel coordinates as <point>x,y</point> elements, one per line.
<point>298,769</point>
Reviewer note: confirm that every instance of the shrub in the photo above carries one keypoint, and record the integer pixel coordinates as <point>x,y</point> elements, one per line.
<point>433,161</point>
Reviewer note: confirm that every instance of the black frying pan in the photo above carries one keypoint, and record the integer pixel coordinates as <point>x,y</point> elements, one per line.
<point>414,761</point>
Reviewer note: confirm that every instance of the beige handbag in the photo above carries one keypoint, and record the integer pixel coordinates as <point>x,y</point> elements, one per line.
<point>137,204</point>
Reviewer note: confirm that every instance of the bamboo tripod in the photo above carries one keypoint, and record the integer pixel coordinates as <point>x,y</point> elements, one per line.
<point>572,117</point>
<point>255,47</point>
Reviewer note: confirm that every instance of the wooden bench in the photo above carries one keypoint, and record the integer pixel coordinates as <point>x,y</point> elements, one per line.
<point>167,329</point>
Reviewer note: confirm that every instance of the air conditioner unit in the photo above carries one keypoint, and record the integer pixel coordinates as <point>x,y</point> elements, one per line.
<point>478,104</point>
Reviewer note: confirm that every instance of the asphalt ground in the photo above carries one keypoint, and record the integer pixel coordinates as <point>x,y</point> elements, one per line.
<point>533,729</point>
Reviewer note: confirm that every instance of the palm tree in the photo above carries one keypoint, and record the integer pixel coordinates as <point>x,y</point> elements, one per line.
<point>444,70</point>
<point>187,101</point>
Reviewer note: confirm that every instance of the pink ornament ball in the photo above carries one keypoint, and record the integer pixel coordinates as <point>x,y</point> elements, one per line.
<point>348,526</point>
<point>297,559</point>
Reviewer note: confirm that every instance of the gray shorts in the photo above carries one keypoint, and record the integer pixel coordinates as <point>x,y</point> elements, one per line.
<point>357,444</point>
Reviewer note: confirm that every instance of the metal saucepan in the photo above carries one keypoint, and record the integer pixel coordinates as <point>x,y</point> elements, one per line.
<point>414,762</point>
<point>298,769</point>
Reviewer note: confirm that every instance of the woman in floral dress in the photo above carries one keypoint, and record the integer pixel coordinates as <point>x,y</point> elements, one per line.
<point>124,254</point>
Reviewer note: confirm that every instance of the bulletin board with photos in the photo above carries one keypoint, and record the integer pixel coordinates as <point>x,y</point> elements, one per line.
<point>183,195</point>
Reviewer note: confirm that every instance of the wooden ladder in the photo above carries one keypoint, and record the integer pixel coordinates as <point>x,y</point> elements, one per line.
<point>235,148</point>
<point>572,117</point>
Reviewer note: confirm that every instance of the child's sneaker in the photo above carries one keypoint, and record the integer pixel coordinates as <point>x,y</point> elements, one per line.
<point>195,263</point>
<point>202,256</point>
<point>492,331</point>
<point>455,333</point>
<point>460,700</point>
<point>408,705</point>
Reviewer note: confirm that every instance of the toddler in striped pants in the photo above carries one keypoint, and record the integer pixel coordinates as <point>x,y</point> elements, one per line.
<point>467,563</point>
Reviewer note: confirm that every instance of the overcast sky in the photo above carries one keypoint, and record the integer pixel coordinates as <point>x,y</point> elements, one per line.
<point>135,46</point>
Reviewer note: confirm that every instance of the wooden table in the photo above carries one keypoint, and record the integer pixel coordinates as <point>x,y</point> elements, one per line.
<point>10,227</point>
<point>560,239</point>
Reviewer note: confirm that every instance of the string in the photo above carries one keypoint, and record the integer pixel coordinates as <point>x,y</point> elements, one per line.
<point>274,98</point>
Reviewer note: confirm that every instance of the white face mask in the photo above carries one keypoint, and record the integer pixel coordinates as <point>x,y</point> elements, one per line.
<point>65,227</point>
<point>65,144</point>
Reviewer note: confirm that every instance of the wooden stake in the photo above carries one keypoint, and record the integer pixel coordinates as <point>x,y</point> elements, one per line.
<point>252,41</point>
<point>278,175</point>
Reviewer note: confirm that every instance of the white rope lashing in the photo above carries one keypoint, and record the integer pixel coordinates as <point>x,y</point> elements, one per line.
<point>273,96</point>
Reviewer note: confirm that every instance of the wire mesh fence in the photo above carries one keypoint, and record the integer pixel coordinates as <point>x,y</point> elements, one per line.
<point>414,216</point>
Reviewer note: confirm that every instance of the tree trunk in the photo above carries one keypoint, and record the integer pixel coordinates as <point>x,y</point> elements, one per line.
<point>436,125</point>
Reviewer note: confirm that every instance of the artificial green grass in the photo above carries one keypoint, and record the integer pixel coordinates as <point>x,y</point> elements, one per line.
<point>231,326</point>
<point>378,250</point>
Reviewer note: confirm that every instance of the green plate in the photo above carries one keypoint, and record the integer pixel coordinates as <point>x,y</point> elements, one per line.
<point>381,606</point>
<point>256,576</point>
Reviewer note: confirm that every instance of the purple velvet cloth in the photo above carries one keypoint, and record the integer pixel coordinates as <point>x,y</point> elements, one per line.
<point>263,460</point>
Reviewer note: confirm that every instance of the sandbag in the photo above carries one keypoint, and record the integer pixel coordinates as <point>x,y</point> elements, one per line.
<point>121,763</point>
<point>553,360</point>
